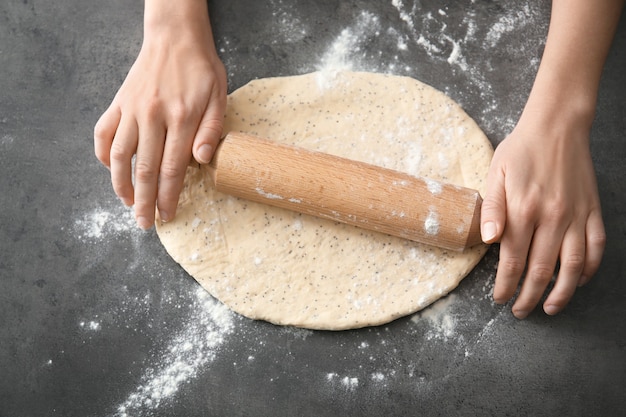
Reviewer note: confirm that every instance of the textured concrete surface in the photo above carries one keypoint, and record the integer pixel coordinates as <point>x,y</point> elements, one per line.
<point>96,320</point>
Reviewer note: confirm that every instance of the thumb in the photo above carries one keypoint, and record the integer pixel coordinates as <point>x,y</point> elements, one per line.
<point>208,135</point>
<point>493,210</point>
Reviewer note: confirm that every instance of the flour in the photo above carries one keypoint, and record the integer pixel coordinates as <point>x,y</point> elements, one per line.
<point>269,196</point>
<point>188,353</point>
<point>455,57</point>
<point>404,15</point>
<point>6,140</point>
<point>101,223</point>
<point>446,44</point>
<point>378,376</point>
<point>442,322</point>
<point>349,383</point>
<point>196,222</point>
<point>346,52</point>
<point>523,16</point>
<point>91,325</point>
<point>297,332</point>
<point>435,187</point>
<point>431,224</point>
<point>442,328</point>
<point>484,333</point>
<point>290,28</point>
<point>372,43</point>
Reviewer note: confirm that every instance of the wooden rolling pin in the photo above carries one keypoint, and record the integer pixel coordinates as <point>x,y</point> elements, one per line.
<point>347,191</point>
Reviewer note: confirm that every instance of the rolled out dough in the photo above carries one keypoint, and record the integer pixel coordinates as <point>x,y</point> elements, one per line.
<point>291,269</point>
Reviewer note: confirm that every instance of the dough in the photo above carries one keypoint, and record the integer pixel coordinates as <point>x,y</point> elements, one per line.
<point>292,269</point>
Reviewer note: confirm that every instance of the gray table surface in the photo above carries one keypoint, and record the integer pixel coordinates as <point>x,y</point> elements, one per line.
<point>97,320</point>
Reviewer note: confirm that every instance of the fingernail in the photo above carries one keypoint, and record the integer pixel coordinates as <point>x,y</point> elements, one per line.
<point>144,223</point>
<point>520,314</point>
<point>204,153</point>
<point>164,216</point>
<point>488,231</point>
<point>500,301</point>
<point>551,309</point>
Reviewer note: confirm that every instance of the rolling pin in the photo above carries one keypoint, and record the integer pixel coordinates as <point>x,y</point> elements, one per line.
<point>347,191</point>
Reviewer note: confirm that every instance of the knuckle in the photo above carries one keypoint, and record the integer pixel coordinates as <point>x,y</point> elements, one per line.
<point>101,144</point>
<point>118,152</point>
<point>169,171</point>
<point>152,107</point>
<point>513,265</point>
<point>556,211</point>
<point>100,132</point>
<point>144,207</point>
<point>489,205</point>
<point>597,239</point>
<point>540,274</point>
<point>145,172</point>
<point>212,128</point>
<point>179,112</point>
<point>527,212</point>
<point>573,262</point>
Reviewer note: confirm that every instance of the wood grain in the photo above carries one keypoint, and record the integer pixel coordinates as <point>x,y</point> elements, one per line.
<point>347,191</point>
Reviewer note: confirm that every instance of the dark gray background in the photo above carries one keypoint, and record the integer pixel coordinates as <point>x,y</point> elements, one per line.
<point>92,310</point>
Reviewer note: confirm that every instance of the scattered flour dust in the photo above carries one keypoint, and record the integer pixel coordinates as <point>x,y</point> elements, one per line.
<point>101,223</point>
<point>507,23</point>
<point>188,352</point>
<point>385,38</point>
<point>445,41</point>
<point>186,355</point>
<point>347,52</point>
<point>435,187</point>
<point>6,140</point>
<point>431,224</point>
<point>442,321</point>
<point>349,383</point>
<point>92,325</point>
<point>290,28</point>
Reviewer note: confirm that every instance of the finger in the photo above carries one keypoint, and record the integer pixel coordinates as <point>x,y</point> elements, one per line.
<point>514,248</point>
<point>209,131</point>
<point>542,259</point>
<point>121,154</point>
<point>173,168</point>
<point>104,132</point>
<point>147,168</point>
<point>572,258</point>
<point>596,241</point>
<point>493,210</point>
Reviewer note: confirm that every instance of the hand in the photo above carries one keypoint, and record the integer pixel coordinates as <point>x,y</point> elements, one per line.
<point>170,105</point>
<point>542,205</point>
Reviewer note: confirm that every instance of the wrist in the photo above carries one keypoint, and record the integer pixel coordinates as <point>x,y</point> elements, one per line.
<point>558,104</point>
<point>177,19</point>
